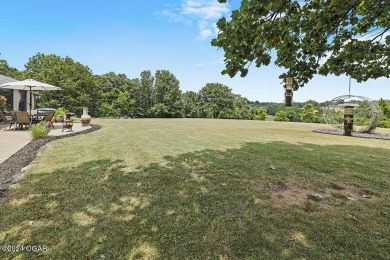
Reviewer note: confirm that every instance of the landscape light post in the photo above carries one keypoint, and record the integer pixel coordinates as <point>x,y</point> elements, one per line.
<point>289,91</point>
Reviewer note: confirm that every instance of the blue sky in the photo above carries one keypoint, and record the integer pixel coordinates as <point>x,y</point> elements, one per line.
<point>129,36</point>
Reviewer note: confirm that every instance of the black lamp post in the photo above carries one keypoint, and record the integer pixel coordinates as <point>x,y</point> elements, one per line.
<point>289,91</point>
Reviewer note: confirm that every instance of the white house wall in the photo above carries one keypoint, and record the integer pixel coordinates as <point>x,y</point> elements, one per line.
<point>16,99</point>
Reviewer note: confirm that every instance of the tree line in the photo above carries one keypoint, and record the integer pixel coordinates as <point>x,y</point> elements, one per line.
<point>312,111</point>
<point>156,95</point>
<point>115,95</point>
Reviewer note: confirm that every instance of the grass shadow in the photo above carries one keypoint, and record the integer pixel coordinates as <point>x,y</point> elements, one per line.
<point>263,200</point>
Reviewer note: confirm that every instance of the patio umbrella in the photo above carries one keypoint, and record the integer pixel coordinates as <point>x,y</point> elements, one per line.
<point>29,84</point>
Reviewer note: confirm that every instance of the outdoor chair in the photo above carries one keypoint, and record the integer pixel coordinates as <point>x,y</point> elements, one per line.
<point>21,119</point>
<point>5,121</point>
<point>49,117</point>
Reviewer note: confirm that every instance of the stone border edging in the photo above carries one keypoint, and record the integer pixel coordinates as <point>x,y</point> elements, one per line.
<point>355,134</point>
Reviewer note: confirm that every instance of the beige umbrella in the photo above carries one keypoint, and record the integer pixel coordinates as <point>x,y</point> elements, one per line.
<point>29,84</point>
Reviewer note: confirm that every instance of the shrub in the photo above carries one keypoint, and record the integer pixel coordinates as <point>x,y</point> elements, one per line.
<point>281,116</point>
<point>385,123</point>
<point>61,111</point>
<point>40,130</point>
<point>73,118</point>
<point>308,113</point>
<point>258,113</point>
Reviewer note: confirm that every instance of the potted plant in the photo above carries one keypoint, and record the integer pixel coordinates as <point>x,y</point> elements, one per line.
<point>3,102</point>
<point>59,115</point>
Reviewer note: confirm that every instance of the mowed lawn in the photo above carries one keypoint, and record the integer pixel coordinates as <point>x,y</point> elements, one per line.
<point>203,189</point>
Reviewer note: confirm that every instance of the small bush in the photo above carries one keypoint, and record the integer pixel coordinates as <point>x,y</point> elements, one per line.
<point>73,118</point>
<point>281,116</point>
<point>385,123</point>
<point>40,130</point>
<point>61,111</point>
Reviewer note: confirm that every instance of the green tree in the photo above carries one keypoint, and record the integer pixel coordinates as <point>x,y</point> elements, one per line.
<point>281,115</point>
<point>108,110</point>
<point>385,108</point>
<point>124,104</point>
<point>292,113</point>
<point>138,94</point>
<point>362,114</point>
<point>168,97</point>
<point>147,92</point>
<point>8,71</point>
<point>190,104</point>
<point>351,35</point>
<point>243,108</point>
<point>112,89</point>
<point>258,113</point>
<point>76,80</point>
<point>271,109</point>
<point>215,98</point>
<point>309,113</point>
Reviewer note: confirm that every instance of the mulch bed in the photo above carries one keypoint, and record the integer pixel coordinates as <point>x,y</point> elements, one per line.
<point>354,134</point>
<point>11,167</point>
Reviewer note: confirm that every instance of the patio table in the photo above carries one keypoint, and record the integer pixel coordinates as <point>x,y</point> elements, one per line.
<point>36,118</point>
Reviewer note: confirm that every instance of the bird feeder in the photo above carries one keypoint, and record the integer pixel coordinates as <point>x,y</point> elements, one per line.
<point>348,118</point>
<point>289,91</point>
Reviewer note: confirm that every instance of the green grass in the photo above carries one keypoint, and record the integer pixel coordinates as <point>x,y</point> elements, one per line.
<point>199,189</point>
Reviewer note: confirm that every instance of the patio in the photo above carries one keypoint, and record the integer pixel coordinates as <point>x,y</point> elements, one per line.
<point>15,140</point>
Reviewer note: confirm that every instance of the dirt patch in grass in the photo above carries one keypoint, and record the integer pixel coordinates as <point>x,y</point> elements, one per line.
<point>351,193</point>
<point>288,194</point>
<point>219,156</point>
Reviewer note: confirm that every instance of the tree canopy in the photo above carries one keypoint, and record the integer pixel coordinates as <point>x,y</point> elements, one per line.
<point>315,37</point>
<point>168,96</point>
<point>76,81</point>
<point>215,98</point>
<point>5,69</point>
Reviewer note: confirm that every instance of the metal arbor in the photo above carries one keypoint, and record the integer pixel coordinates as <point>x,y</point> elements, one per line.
<point>367,113</point>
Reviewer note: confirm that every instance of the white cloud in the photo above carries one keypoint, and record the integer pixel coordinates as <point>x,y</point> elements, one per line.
<point>203,12</point>
<point>205,29</point>
<point>175,16</point>
<point>204,9</point>
<point>204,34</point>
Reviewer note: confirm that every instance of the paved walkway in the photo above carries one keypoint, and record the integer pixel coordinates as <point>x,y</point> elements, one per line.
<point>13,141</point>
